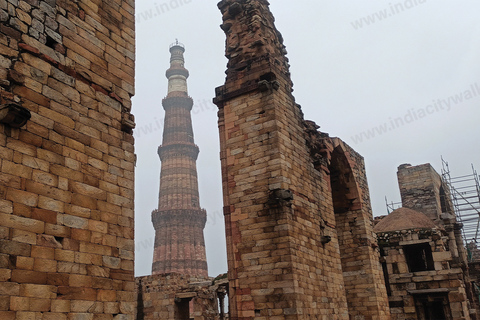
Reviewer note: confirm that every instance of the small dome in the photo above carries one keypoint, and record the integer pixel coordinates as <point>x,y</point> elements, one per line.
<point>404,219</point>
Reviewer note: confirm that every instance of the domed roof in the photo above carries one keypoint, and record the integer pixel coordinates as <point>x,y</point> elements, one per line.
<point>404,219</point>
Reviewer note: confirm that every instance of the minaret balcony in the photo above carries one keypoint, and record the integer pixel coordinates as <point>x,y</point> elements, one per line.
<point>177,101</point>
<point>177,72</point>
<point>178,149</point>
<point>197,217</point>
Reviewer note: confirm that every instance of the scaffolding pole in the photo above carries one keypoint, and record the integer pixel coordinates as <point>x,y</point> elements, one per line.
<point>465,196</point>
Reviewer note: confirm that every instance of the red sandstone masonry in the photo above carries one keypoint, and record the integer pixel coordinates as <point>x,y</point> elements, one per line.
<point>66,177</point>
<point>160,297</point>
<point>179,220</point>
<point>288,214</point>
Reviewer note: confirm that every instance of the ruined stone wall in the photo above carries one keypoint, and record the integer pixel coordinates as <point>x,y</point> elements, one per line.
<point>67,176</point>
<point>420,189</point>
<point>408,289</point>
<point>474,272</point>
<point>178,297</point>
<point>362,272</point>
<point>282,237</point>
<point>423,253</point>
<point>275,255</point>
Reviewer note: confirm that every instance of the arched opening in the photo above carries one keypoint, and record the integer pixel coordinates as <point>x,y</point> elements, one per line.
<point>352,217</point>
<point>345,193</point>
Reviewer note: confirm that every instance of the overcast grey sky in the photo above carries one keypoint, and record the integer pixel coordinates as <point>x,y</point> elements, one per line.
<point>399,81</point>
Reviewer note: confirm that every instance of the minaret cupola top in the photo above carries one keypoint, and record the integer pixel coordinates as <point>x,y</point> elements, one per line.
<point>177,74</point>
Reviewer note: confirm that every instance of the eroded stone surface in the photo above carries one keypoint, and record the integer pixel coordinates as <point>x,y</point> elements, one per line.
<point>66,177</point>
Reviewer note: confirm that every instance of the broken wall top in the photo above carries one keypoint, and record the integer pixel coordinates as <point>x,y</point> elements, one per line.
<point>253,46</point>
<point>423,189</point>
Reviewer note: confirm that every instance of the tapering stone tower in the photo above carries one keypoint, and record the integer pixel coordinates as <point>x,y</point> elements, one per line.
<point>179,221</point>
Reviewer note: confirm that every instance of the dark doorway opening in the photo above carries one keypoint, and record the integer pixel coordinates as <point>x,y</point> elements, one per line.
<point>432,307</point>
<point>419,257</point>
<point>182,309</point>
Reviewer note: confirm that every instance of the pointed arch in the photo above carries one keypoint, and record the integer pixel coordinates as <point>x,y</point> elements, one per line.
<point>345,190</point>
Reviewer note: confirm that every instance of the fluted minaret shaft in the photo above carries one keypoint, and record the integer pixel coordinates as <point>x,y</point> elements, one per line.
<point>179,221</point>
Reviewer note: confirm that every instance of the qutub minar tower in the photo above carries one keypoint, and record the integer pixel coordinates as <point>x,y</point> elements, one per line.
<point>179,221</point>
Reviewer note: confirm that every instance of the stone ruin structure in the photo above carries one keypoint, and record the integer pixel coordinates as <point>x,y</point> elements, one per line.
<point>297,209</point>
<point>298,217</point>
<point>178,296</point>
<point>423,254</point>
<point>179,287</point>
<point>474,267</point>
<point>67,160</point>
<point>300,238</point>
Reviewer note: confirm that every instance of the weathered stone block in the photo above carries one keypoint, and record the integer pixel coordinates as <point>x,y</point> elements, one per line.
<point>36,290</point>
<point>5,275</point>
<point>22,197</point>
<point>25,263</point>
<point>24,236</point>
<point>19,303</point>
<point>9,289</point>
<point>61,306</point>
<point>75,222</point>
<point>7,315</point>
<point>54,316</point>
<point>77,293</point>
<point>15,248</point>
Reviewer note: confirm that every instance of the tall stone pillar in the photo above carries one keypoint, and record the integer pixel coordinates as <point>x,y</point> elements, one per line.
<point>296,204</point>
<point>179,221</point>
<point>280,264</point>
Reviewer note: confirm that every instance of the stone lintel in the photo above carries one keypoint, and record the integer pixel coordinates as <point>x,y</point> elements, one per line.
<point>200,284</point>
<point>186,295</point>
<point>409,242</point>
<point>429,291</point>
<point>261,73</point>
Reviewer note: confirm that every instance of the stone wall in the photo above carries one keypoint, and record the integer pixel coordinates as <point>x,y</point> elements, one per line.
<point>359,252</point>
<point>423,189</point>
<point>420,189</point>
<point>424,258</point>
<point>67,176</point>
<point>442,282</point>
<point>179,297</point>
<point>284,242</point>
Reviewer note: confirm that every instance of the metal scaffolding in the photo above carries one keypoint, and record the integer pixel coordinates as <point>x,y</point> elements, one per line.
<point>392,206</point>
<point>465,195</point>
